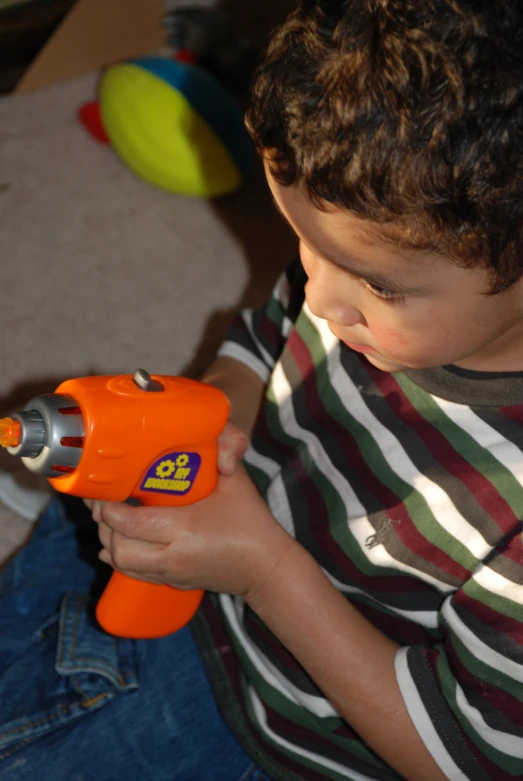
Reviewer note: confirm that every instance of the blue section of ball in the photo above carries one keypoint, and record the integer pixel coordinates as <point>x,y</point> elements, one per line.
<point>211,100</point>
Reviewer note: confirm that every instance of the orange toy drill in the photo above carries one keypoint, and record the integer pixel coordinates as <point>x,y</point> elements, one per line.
<point>111,438</point>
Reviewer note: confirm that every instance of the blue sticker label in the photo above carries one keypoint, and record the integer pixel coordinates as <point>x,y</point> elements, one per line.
<point>171,474</point>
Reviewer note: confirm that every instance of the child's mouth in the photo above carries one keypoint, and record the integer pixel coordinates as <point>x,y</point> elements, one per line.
<point>360,348</point>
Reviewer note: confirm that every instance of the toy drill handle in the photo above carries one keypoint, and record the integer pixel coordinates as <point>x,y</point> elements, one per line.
<point>137,609</point>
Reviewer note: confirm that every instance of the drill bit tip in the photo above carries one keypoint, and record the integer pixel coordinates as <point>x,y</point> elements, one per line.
<point>9,432</point>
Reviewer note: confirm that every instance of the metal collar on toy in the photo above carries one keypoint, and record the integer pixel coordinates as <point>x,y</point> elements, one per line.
<point>51,435</point>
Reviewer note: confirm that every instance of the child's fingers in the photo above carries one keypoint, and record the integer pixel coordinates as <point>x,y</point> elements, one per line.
<point>96,510</point>
<point>232,444</point>
<point>147,524</point>
<point>105,556</point>
<point>129,555</point>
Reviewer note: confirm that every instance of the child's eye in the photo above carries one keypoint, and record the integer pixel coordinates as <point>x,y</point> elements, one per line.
<point>384,293</point>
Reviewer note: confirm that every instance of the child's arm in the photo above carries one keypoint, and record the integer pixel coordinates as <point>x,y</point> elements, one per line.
<point>350,660</point>
<point>231,543</point>
<point>243,387</point>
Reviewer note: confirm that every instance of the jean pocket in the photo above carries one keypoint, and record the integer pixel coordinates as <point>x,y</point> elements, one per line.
<point>70,668</point>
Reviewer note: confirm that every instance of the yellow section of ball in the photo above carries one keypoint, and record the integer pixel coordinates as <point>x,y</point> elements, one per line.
<point>159,135</point>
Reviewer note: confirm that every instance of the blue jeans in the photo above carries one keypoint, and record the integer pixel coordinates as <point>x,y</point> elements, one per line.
<point>79,705</point>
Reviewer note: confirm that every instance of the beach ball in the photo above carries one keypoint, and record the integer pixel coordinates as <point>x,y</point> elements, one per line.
<point>175,125</point>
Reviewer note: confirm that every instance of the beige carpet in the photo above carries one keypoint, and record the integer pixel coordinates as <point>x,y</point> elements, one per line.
<point>101,272</point>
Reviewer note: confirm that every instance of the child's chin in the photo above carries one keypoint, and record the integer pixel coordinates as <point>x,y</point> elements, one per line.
<point>384,364</point>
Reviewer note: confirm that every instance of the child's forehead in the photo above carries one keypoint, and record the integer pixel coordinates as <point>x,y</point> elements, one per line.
<point>397,254</point>
<point>402,247</point>
<point>405,239</point>
<point>411,237</point>
<point>361,248</point>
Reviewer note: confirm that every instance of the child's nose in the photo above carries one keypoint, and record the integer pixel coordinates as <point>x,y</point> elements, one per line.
<point>325,301</point>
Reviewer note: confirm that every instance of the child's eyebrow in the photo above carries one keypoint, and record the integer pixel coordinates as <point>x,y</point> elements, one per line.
<point>376,280</point>
<point>380,281</point>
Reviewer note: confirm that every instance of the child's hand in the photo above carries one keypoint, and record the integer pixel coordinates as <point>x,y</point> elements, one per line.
<point>232,444</point>
<point>228,542</point>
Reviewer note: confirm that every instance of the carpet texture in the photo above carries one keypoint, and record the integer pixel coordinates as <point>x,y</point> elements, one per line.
<point>101,272</point>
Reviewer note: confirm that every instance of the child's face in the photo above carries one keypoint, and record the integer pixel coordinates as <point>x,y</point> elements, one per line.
<point>402,308</point>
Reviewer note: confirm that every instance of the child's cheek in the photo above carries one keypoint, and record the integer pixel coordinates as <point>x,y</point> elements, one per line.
<point>391,340</point>
<point>410,348</point>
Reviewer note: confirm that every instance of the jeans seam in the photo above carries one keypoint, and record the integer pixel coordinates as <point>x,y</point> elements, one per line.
<point>248,773</point>
<point>75,627</point>
<point>87,701</point>
<point>73,649</point>
<point>122,677</point>
<point>15,748</point>
<point>79,689</point>
<point>61,636</point>
<point>62,709</point>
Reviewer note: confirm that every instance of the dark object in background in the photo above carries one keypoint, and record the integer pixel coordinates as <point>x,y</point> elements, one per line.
<point>24,29</point>
<point>213,38</point>
<point>44,42</point>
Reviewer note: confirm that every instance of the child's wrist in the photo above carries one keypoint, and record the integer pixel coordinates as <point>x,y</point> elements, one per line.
<point>268,583</point>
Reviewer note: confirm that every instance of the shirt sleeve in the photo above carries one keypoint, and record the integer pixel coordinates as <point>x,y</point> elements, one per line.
<point>465,694</point>
<point>257,336</point>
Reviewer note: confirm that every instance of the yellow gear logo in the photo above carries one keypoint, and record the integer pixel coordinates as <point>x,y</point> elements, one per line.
<point>165,468</point>
<point>182,459</point>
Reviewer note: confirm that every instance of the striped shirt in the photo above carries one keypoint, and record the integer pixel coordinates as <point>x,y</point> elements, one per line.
<point>408,490</point>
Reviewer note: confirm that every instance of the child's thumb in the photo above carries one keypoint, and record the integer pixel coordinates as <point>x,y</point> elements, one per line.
<point>232,444</point>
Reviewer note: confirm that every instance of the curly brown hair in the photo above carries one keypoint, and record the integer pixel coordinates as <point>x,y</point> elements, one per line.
<point>408,113</point>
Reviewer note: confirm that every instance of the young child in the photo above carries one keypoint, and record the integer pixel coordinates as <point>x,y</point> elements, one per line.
<point>365,564</point>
